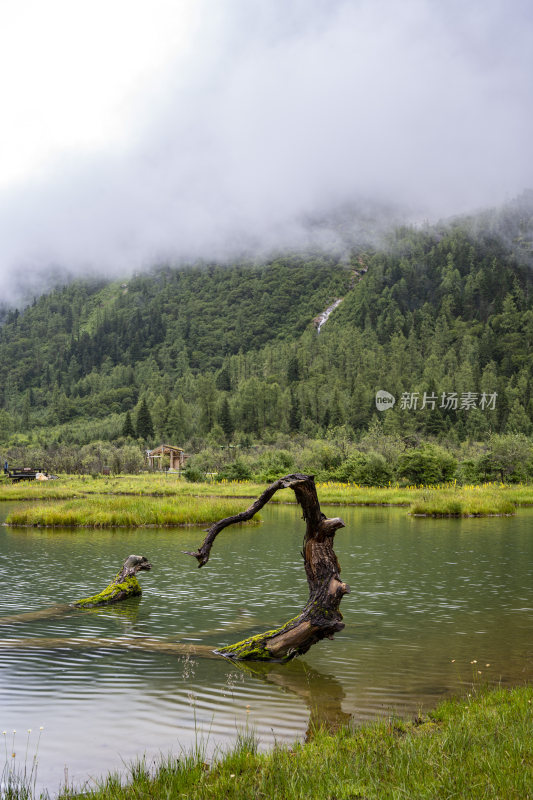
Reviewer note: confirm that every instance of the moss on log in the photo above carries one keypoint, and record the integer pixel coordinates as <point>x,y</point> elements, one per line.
<point>123,585</point>
<point>320,617</point>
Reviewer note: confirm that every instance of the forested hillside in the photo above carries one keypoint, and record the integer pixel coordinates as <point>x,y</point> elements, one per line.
<point>439,317</point>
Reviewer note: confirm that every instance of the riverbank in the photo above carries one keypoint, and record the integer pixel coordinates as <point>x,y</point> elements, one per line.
<point>444,500</point>
<point>480,746</point>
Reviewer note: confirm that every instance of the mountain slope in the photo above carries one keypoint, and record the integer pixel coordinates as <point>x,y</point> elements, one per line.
<point>442,311</point>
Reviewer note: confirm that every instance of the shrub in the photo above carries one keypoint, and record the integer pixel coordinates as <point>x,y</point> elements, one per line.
<point>273,465</point>
<point>320,459</point>
<point>238,470</point>
<point>370,469</point>
<point>468,471</point>
<point>194,475</point>
<point>428,464</point>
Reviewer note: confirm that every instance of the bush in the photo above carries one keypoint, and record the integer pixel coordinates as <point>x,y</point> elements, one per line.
<point>236,471</point>
<point>508,459</point>
<point>428,464</point>
<point>320,459</point>
<point>193,474</point>
<point>273,465</point>
<point>468,471</point>
<point>370,469</point>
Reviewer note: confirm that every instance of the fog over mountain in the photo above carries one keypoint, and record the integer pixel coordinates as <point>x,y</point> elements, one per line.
<point>233,126</point>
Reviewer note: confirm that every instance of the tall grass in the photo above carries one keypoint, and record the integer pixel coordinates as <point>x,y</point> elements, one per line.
<point>446,499</point>
<point>473,748</point>
<point>18,776</point>
<point>105,512</point>
<point>472,501</point>
<point>157,485</point>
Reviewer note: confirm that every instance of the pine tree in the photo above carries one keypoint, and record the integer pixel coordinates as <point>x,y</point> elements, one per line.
<point>225,419</point>
<point>295,415</point>
<point>128,429</point>
<point>145,426</point>
<point>293,370</point>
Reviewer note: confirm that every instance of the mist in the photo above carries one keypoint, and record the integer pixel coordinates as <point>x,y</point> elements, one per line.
<point>274,118</point>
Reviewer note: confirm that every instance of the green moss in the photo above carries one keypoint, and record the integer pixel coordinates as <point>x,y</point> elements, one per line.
<point>254,648</point>
<point>130,587</point>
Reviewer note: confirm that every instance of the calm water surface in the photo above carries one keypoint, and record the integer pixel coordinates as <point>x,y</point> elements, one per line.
<point>435,605</point>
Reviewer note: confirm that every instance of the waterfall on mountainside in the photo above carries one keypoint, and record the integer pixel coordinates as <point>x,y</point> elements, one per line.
<point>324,316</point>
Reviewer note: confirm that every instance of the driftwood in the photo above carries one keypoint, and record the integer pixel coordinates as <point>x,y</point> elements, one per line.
<point>320,617</point>
<point>101,643</point>
<point>123,586</point>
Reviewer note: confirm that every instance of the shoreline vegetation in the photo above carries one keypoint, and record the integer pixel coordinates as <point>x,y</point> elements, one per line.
<point>98,511</point>
<point>478,746</point>
<point>150,499</point>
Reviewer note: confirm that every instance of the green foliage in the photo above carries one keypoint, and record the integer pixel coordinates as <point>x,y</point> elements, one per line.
<point>508,458</point>
<point>226,420</point>
<point>368,469</point>
<point>273,464</point>
<point>238,470</point>
<point>128,430</point>
<point>144,425</point>
<point>439,312</point>
<point>194,474</point>
<point>426,465</point>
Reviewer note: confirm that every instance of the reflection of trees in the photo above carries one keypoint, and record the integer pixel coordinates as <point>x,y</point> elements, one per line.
<point>322,694</point>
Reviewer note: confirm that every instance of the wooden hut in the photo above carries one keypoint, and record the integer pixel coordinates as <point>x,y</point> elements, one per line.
<point>156,457</point>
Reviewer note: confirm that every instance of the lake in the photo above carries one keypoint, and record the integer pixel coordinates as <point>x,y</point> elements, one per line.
<point>435,606</point>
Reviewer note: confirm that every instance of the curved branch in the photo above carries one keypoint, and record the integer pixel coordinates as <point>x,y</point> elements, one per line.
<point>321,617</point>
<point>288,482</point>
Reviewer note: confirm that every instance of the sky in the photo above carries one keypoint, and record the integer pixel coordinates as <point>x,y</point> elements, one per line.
<point>136,132</point>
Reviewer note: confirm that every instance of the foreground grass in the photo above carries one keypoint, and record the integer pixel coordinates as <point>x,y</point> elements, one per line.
<point>445,500</point>
<point>481,747</point>
<point>107,512</point>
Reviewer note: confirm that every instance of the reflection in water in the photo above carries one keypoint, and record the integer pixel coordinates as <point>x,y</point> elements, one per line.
<point>429,598</point>
<point>41,614</point>
<point>125,611</point>
<point>124,614</point>
<point>322,694</point>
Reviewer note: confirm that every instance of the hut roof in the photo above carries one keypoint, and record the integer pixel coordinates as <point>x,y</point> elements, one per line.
<point>165,448</point>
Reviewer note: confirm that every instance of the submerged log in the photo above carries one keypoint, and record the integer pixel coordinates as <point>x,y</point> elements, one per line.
<point>320,617</point>
<point>123,585</point>
<point>101,643</point>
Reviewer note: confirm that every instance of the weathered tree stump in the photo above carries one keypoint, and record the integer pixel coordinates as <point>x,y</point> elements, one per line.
<point>123,585</point>
<point>320,617</point>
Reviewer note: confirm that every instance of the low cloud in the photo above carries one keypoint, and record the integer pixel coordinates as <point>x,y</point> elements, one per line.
<point>281,113</point>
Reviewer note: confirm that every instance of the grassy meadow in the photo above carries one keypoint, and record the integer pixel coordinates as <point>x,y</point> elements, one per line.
<point>101,511</point>
<point>480,746</point>
<point>138,499</point>
<point>155,484</point>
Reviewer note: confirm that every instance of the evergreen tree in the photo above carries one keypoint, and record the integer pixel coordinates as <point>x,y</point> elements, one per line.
<point>295,415</point>
<point>225,419</point>
<point>145,426</point>
<point>128,429</point>
<point>224,380</point>
<point>293,370</point>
